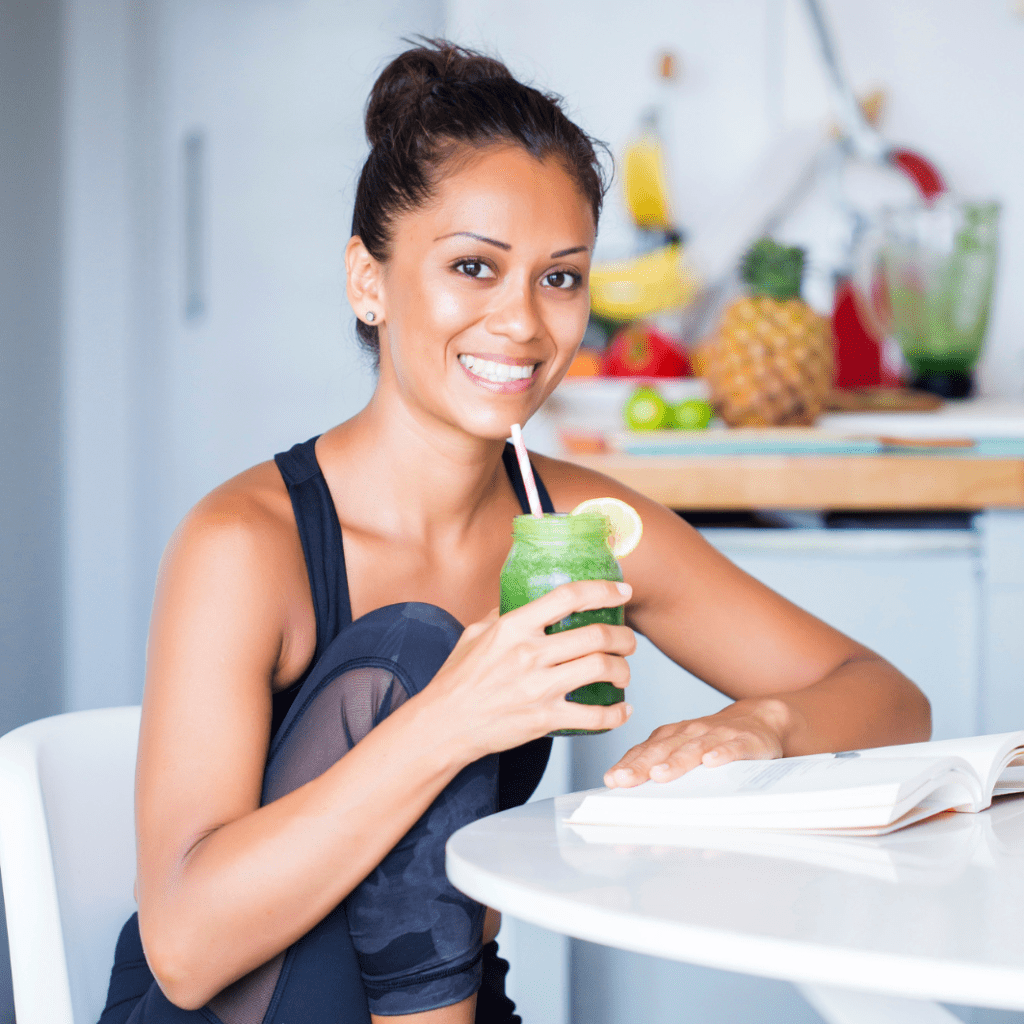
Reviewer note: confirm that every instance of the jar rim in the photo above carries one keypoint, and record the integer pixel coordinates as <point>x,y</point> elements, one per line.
<point>561,525</point>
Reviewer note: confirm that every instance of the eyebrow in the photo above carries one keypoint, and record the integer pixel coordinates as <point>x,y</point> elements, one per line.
<point>506,246</point>
<point>568,252</point>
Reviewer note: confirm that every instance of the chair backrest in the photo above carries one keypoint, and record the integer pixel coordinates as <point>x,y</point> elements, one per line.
<point>67,858</point>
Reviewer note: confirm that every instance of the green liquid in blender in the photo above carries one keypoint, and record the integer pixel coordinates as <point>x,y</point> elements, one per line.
<point>941,299</point>
<point>555,550</point>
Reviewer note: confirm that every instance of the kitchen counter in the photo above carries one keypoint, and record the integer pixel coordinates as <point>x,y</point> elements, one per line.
<point>990,475</point>
<point>886,482</point>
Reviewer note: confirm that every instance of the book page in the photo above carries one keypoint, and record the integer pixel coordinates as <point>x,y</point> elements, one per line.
<point>818,791</point>
<point>1011,779</point>
<point>987,755</point>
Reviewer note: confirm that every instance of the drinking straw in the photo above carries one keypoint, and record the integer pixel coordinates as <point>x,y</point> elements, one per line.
<point>527,471</point>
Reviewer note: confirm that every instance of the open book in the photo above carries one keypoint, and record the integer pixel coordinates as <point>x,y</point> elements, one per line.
<point>857,792</point>
<point>934,852</point>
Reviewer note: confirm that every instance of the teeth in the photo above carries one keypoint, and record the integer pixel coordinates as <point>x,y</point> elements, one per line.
<point>497,373</point>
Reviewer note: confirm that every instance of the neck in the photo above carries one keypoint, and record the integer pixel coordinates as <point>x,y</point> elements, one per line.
<point>429,479</point>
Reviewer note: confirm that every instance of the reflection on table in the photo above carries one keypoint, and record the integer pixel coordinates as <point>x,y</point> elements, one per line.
<point>932,912</point>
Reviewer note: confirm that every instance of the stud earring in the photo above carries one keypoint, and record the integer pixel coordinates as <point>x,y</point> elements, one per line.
<point>371,316</point>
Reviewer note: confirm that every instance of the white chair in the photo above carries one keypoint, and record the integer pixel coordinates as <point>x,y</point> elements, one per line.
<point>67,858</point>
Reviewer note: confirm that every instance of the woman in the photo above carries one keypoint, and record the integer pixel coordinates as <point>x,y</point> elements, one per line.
<point>304,885</point>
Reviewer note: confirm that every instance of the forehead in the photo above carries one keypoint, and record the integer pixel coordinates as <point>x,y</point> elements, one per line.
<point>505,192</point>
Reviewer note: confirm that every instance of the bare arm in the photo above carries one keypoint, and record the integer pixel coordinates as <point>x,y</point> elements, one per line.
<point>799,685</point>
<point>224,884</point>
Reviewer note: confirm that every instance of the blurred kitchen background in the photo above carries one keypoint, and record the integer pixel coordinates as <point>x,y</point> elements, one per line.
<point>175,194</point>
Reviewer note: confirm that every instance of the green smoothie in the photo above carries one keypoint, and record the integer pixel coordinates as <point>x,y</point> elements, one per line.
<point>560,549</point>
<point>940,287</point>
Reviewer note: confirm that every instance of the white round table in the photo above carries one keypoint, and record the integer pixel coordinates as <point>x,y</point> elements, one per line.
<point>867,927</point>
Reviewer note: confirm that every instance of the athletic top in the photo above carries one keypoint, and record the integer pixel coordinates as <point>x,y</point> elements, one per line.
<point>521,768</point>
<point>387,947</point>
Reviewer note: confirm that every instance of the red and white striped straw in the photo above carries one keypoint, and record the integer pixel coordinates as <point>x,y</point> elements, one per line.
<point>527,471</point>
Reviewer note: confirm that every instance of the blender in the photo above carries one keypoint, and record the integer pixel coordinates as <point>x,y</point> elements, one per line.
<point>928,272</point>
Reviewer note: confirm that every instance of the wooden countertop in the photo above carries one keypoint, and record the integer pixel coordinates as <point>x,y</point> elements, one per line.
<point>888,478</point>
<point>889,481</point>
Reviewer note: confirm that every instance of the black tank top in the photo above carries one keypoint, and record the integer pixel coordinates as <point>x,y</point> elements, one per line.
<point>519,769</point>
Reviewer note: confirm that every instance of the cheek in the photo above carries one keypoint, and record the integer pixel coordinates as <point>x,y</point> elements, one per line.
<point>443,305</point>
<point>437,304</point>
<point>569,322</point>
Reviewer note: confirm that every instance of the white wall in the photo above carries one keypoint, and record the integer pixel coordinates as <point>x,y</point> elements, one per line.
<point>97,379</point>
<point>954,72</point>
<point>159,408</point>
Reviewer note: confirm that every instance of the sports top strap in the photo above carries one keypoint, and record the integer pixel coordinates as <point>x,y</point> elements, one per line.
<point>320,532</point>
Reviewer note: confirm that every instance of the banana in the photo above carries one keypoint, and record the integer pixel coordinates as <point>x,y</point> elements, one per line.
<point>630,289</point>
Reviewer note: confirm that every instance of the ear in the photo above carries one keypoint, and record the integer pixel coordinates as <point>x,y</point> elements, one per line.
<point>365,282</point>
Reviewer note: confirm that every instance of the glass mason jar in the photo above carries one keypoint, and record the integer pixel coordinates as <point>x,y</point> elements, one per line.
<point>560,549</point>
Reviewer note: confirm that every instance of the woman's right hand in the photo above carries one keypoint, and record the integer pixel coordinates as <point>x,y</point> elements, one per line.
<point>505,682</point>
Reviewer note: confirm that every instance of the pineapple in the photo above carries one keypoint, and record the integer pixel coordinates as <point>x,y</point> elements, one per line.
<point>770,362</point>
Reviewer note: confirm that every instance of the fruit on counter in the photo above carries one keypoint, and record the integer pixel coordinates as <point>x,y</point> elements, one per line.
<point>692,414</point>
<point>770,361</point>
<point>645,409</point>
<point>586,364</point>
<point>627,290</point>
<point>641,350</point>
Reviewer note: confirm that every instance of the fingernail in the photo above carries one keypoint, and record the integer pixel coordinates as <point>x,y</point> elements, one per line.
<point>659,768</point>
<point>629,710</point>
<point>624,588</point>
<point>712,755</point>
<point>624,773</point>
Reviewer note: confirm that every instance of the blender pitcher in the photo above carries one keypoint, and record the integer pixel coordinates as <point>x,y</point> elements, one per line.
<point>929,271</point>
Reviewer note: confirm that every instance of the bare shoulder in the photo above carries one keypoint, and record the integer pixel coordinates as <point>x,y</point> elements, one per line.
<point>237,555</point>
<point>672,557</point>
<point>248,516</point>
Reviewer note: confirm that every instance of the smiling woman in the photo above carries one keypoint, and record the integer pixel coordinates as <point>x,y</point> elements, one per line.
<point>330,691</point>
<point>477,326</point>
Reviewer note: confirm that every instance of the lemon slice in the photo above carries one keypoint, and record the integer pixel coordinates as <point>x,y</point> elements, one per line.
<point>627,526</point>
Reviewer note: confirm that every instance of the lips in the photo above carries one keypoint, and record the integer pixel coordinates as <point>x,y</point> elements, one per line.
<point>498,373</point>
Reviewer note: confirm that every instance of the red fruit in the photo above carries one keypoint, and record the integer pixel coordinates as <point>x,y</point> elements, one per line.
<point>641,350</point>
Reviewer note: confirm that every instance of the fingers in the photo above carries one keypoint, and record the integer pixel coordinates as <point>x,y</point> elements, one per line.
<point>674,750</point>
<point>578,643</point>
<point>593,668</point>
<point>592,717</point>
<point>580,596</point>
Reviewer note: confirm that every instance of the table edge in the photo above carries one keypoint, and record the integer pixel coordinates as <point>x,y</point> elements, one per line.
<point>791,960</point>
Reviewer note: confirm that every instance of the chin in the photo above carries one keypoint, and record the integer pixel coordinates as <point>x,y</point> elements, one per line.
<point>494,428</point>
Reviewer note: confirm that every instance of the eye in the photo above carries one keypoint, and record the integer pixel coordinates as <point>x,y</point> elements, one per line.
<point>564,280</point>
<point>474,268</point>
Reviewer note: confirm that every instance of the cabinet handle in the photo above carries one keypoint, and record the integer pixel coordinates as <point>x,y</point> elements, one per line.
<point>194,159</point>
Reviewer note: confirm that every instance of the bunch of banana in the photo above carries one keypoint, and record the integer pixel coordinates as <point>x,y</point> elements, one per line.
<point>634,288</point>
<point>657,281</point>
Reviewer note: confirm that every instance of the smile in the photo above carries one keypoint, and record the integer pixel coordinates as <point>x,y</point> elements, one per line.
<point>497,373</point>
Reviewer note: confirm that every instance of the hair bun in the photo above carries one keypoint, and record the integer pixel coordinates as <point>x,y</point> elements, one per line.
<point>419,75</point>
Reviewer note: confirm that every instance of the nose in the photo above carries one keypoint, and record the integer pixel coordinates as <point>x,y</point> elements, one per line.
<point>514,313</point>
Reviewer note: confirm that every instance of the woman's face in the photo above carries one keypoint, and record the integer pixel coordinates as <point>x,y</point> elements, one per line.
<point>485,297</point>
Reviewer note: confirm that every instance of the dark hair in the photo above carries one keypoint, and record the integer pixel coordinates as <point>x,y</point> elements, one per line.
<point>427,104</point>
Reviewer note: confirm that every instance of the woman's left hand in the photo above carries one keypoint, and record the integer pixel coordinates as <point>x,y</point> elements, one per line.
<point>751,729</point>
